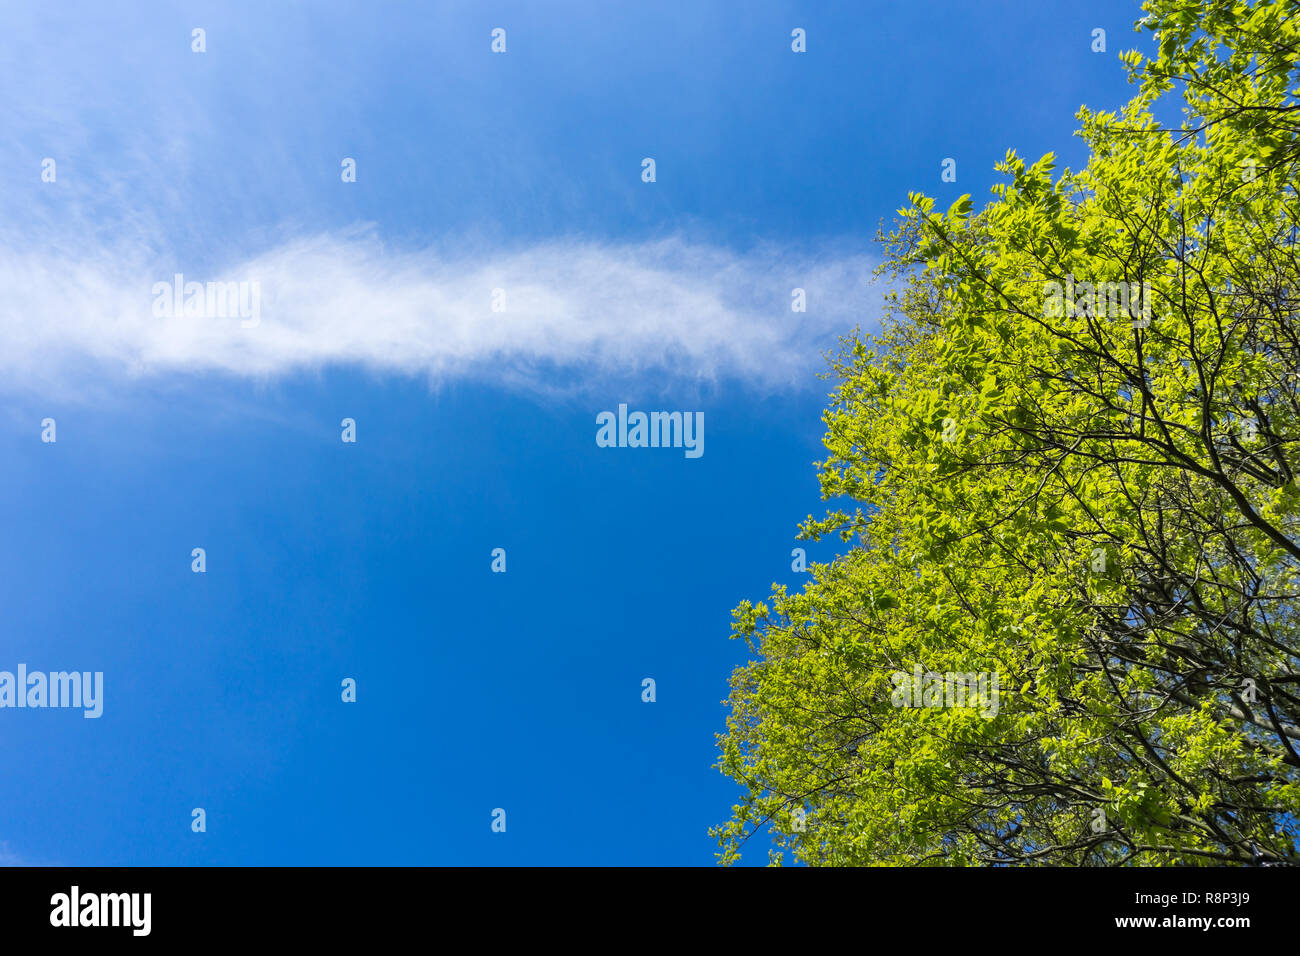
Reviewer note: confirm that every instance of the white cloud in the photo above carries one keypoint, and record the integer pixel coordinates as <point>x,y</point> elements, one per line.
<point>8,857</point>
<point>674,308</point>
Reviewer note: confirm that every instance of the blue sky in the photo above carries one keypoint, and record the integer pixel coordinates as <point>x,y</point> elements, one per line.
<point>475,429</point>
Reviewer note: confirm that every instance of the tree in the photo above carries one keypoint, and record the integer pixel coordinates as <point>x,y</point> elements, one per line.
<point>1071,461</point>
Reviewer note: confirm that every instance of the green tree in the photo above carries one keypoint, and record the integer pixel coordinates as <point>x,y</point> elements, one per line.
<point>1069,459</point>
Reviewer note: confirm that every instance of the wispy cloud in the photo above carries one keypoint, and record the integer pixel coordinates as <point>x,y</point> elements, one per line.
<point>148,186</point>
<point>682,309</point>
<point>8,857</point>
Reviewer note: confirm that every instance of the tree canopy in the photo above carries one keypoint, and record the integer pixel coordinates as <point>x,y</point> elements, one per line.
<point>1068,460</point>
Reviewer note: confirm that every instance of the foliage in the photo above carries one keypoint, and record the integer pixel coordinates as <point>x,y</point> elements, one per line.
<point>1103,512</point>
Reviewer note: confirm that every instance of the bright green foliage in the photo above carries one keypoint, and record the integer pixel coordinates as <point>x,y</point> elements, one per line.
<point>1103,512</point>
